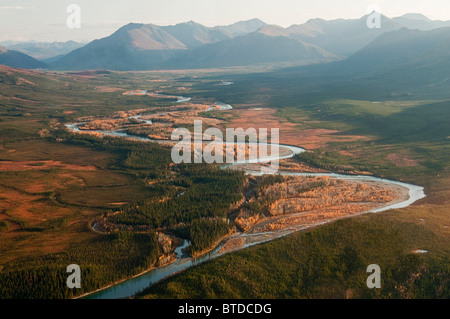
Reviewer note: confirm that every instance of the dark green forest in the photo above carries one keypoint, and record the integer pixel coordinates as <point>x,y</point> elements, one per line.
<point>102,260</point>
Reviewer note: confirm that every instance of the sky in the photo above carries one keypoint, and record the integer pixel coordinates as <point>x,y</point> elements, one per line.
<point>46,20</point>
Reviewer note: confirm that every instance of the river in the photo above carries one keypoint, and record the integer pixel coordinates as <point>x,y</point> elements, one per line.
<point>130,287</point>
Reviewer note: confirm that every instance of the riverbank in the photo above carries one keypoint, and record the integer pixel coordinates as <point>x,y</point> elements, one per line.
<point>173,257</point>
<point>274,227</point>
<point>240,240</point>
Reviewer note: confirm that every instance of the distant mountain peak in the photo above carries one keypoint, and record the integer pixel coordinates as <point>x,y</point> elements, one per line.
<point>416,16</point>
<point>192,22</point>
<point>273,30</point>
<point>316,20</point>
<point>189,23</point>
<point>419,21</point>
<point>241,27</point>
<point>131,26</point>
<point>383,17</point>
<point>250,21</point>
<point>254,20</point>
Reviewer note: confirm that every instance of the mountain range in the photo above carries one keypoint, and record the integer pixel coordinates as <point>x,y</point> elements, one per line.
<point>402,63</point>
<point>44,51</point>
<point>148,46</point>
<point>192,45</point>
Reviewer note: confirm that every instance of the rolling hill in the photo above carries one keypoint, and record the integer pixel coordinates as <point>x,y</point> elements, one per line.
<point>18,59</point>
<point>399,64</point>
<point>399,49</point>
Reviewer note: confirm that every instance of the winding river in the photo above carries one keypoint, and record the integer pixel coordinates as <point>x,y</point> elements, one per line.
<point>130,287</point>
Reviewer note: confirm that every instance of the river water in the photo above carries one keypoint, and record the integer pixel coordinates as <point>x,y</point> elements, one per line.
<point>130,287</point>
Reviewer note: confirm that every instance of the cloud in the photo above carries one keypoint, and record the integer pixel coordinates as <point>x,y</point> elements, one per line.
<point>16,8</point>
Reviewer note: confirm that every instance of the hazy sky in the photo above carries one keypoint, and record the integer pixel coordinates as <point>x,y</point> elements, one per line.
<point>45,20</point>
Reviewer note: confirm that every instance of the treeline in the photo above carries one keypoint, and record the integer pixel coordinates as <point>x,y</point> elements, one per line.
<point>209,192</point>
<point>327,262</point>
<point>205,232</point>
<point>150,159</point>
<point>315,160</point>
<point>268,180</point>
<point>102,261</point>
<point>147,158</point>
<point>330,161</point>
